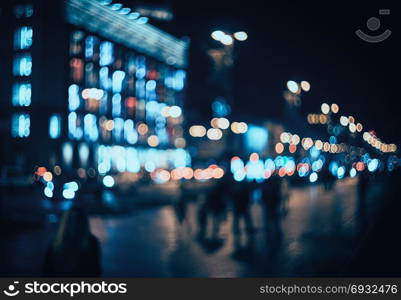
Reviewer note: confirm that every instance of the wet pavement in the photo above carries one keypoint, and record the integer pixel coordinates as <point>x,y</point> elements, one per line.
<point>320,233</point>
<point>317,236</point>
<point>23,250</point>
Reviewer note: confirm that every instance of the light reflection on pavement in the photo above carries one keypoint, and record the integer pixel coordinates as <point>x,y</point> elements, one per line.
<point>316,236</point>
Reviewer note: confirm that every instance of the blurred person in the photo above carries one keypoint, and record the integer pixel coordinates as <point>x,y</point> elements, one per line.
<point>272,196</point>
<point>362,187</point>
<point>241,207</point>
<point>180,205</point>
<point>75,251</point>
<point>213,209</point>
<point>327,178</point>
<point>241,200</point>
<point>285,196</point>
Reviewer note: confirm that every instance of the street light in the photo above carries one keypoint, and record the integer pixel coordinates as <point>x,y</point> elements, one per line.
<point>217,35</point>
<point>305,85</point>
<point>293,94</point>
<point>241,36</point>
<point>292,86</point>
<point>227,39</point>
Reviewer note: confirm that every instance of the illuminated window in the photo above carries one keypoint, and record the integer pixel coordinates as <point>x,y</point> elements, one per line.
<point>116,105</point>
<point>21,94</point>
<point>104,159</point>
<point>103,104</point>
<point>151,90</point>
<point>130,134</point>
<point>73,97</point>
<point>74,130</point>
<point>20,125</point>
<point>140,89</point>
<point>162,134</point>
<point>118,158</point>
<point>90,127</point>
<point>180,158</point>
<point>23,11</point>
<point>23,38</point>
<point>117,81</point>
<point>22,65</point>
<point>55,126</point>
<point>77,69</point>
<point>106,53</point>
<point>152,109</point>
<point>90,43</point>
<point>169,79</point>
<point>104,78</point>
<point>83,151</point>
<point>140,67</point>
<point>153,74</point>
<point>68,152</point>
<point>151,85</point>
<point>179,79</point>
<point>140,109</point>
<point>118,129</point>
<point>130,104</point>
<point>91,77</point>
<point>133,164</point>
<point>75,44</point>
<point>131,65</point>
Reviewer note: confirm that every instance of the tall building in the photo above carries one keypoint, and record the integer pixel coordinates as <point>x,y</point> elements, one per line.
<point>88,88</point>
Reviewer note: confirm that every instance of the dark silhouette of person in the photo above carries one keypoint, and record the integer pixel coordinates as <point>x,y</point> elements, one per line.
<point>241,207</point>
<point>271,196</point>
<point>214,210</point>
<point>241,200</point>
<point>180,205</point>
<point>362,187</point>
<point>328,179</point>
<point>75,251</point>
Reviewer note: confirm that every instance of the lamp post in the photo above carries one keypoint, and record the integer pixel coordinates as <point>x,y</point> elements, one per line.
<point>223,58</point>
<point>222,74</point>
<point>293,93</point>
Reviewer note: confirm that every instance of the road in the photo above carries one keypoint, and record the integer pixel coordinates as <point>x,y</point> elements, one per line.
<point>322,233</point>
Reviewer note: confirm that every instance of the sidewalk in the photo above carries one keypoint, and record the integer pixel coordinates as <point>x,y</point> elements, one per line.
<point>315,238</point>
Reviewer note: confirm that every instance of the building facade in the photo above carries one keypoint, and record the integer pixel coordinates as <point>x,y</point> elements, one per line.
<point>87,89</point>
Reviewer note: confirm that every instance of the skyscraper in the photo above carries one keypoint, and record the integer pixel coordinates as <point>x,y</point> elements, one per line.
<point>87,85</point>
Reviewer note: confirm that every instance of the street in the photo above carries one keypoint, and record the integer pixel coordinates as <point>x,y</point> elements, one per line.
<point>219,140</point>
<point>320,233</point>
<point>317,236</point>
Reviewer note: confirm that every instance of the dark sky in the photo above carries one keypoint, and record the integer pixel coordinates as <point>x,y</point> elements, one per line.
<point>299,40</point>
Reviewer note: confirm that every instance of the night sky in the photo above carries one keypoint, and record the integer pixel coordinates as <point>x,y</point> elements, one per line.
<point>301,40</point>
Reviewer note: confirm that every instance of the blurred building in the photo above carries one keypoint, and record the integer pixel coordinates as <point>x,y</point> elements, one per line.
<point>87,85</point>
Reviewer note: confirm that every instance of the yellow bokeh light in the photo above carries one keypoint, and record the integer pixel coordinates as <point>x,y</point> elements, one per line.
<point>47,176</point>
<point>305,86</point>
<point>143,129</point>
<point>214,134</point>
<point>197,131</point>
<point>279,148</point>
<point>153,141</point>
